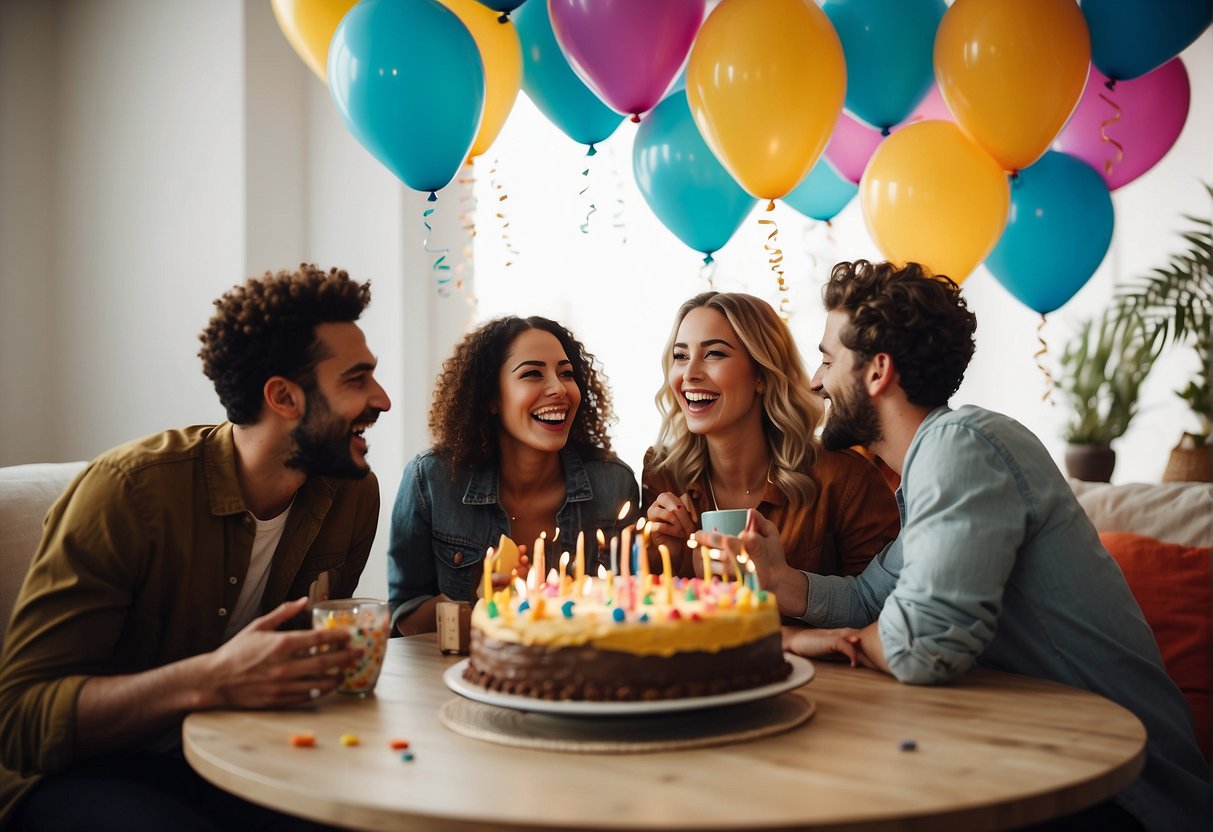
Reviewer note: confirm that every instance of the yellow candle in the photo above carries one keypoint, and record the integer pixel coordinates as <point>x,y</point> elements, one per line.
<point>644,554</point>
<point>487,590</point>
<point>564,571</point>
<point>605,575</point>
<point>579,566</point>
<point>537,607</point>
<point>537,562</point>
<point>707,563</point>
<point>667,574</point>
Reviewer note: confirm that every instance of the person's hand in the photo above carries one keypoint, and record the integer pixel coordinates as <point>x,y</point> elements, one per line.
<point>842,643</point>
<point>501,580</point>
<point>759,539</point>
<point>260,667</point>
<point>671,521</point>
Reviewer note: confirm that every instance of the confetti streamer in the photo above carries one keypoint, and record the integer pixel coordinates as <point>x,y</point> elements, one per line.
<point>775,258</point>
<point>502,196</point>
<point>467,224</point>
<point>1111,161</point>
<point>440,268</point>
<point>1039,355</point>
<point>707,271</point>
<point>619,218</point>
<point>585,226</point>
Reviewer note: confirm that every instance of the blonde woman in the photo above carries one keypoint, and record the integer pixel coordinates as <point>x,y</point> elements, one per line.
<point>738,431</point>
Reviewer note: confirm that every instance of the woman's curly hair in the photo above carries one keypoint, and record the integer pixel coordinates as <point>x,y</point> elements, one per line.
<point>461,418</point>
<point>918,318</point>
<point>267,327</point>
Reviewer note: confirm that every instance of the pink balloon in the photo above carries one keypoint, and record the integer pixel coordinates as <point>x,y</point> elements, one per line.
<point>627,51</point>
<point>853,142</point>
<point>1152,110</point>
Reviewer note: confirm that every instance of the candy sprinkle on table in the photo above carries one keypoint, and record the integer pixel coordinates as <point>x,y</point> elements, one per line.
<point>398,745</point>
<point>349,739</point>
<point>304,740</point>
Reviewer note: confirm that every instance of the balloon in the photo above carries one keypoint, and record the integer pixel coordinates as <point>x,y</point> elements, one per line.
<point>1152,110</point>
<point>931,195</point>
<point>309,26</point>
<point>852,144</point>
<point>822,194</point>
<point>553,85</point>
<point>502,56</point>
<point>689,191</point>
<point>408,82</point>
<point>765,82</point>
<point>627,51</point>
<point>1011,73</point>
<point>888,46</point>
<point>1131,37</point>
<point>504,6</point>
<point>1057,233</point>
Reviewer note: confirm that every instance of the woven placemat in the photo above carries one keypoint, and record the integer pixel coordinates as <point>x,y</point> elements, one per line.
<point>627,735</point>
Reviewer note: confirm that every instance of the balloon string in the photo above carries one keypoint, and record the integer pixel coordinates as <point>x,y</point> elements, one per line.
<point>502,196</point>
<point>583,193</point>
<point>1039,355</point>
<point>440,268</point>
<point>707,271</point>
<point>1103,134</point>
<point>619,218</point>
<point>467,223</point>
<point>775,258</point>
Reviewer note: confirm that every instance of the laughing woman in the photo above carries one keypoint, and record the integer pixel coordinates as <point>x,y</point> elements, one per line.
<point>737,432</point>
<point>519,421</point>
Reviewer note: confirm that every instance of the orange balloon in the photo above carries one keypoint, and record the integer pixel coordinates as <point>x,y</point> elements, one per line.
<point>501,53</point>
<point>309,26</point>
<point>765,82</point>
<point>1012,72</point>
<point>930,195</point>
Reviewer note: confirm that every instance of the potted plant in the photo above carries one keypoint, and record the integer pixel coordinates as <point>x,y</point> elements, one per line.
<point>1103,368</point>
<point>1174,307</point>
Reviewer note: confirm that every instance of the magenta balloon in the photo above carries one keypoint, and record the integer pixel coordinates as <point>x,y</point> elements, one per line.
<point>1153,109</point>
<point>852,143</point>
<point>627,51</point>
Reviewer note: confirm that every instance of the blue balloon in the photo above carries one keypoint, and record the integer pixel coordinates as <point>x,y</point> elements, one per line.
<point>552,84</point>
<point>687,188</point>
<point>504,6</point>
<point>407,79</point>
<point>889,47</point>
<point>1058,231</point>
<point>1131,37</point>
<point>823,193</point>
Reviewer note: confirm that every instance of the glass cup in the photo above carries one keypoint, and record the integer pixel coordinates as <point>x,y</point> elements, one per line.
<point>368,622</point>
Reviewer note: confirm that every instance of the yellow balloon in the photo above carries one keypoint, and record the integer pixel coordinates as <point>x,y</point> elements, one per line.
<point>930,195</point>
<point>502,55</point>
<point>1012,72</point>
<point>309,26</point>
<point>765,82</point>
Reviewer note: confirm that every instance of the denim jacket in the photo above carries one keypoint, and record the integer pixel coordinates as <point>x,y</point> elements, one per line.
<point>997,565</point>
<point>441,526</point>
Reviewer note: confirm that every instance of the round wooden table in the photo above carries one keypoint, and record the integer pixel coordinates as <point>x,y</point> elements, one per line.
<point>992,752</point>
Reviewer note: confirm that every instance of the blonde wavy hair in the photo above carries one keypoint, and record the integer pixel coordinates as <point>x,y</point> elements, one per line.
<point>790,410</point>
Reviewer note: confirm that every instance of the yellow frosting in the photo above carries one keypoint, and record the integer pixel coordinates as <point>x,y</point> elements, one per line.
<point>742,619</point>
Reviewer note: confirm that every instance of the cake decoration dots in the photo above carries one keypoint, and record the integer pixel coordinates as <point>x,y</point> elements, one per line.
<point>491,609</point>
<point>524,606</point>
<point>398,744</point>
<point>407,757</point>
<point>618,614</point>
<point>350,740</point>
<point>566,609</point>
<point>908,745</point>
<point>305,739</point>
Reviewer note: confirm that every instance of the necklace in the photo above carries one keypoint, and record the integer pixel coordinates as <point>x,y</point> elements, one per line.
<point>712,491</point>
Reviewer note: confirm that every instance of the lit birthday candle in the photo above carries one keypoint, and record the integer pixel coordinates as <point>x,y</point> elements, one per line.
<point>538,563</point>
<point>739,563</point>
<point>625,553</point>
<point>667,574</point>
<point>564,571</point>
<point>609,578</point>
<point>487,590</point>
<point>643,565</point>
<point>752,577</point>
<point>601,546</point>
<point>707,563</point>
<point>579,565</point>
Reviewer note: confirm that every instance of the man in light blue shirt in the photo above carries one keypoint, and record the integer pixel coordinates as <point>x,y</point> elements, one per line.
<point>997,565</point>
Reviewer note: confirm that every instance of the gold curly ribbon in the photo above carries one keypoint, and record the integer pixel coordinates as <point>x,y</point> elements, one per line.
<point>1103,132</point>
<point>707,271</point>
<point>775,258</point>
<point>502,196</point>
<point>593,209</point>
<point>1039,355</point>
<point>440,268</point>
<point>467,224</point>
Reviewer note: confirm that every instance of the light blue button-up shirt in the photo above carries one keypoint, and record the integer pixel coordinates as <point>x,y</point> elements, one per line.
<point>997,565</point>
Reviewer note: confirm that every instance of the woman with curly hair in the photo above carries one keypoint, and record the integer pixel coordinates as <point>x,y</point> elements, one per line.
<point>519,421</point>
<point>738,431</point>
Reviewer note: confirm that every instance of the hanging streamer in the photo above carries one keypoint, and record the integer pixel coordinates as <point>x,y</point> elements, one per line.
<point>502,196</point>
<point>775,258</point>
<point>467,224</point>
<point>440,268</point>
<point>619,218</point>
<point>1039,355</point>
<point>1111,161</point>
<point>707,271</point>
<point>585,226</point>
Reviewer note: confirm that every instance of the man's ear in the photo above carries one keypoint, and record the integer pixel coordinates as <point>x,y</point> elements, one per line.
<point>880,374</point>
<point>284,398</point>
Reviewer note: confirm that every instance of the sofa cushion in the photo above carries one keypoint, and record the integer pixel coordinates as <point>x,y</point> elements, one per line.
<point>26,494</point>
<point>1174,512</point>
<point>1174,586</point>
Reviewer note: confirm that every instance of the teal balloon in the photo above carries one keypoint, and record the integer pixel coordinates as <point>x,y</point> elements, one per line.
<point>552,84</point>
<point>889,46</point>
<point>1132,37</point>
<point>681,180</point>
<point>823,193</point>
<point>407,79</point>
<point>1058,231</point>
<point>504,6</point>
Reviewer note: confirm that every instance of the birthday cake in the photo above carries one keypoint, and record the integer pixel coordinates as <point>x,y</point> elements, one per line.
<point>620,637</point>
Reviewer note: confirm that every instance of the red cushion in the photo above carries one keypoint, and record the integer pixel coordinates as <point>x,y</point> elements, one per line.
<point>1174,587</point>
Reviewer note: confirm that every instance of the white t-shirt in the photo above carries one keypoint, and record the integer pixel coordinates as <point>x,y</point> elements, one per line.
<point>248,605</point>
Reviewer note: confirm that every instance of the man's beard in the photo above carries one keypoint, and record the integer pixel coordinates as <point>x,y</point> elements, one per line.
<point>851,421</point>
<point>322,442</point>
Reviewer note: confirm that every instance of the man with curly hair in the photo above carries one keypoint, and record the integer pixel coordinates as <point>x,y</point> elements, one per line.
<point>168,566</point>
<point>996,565</point>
